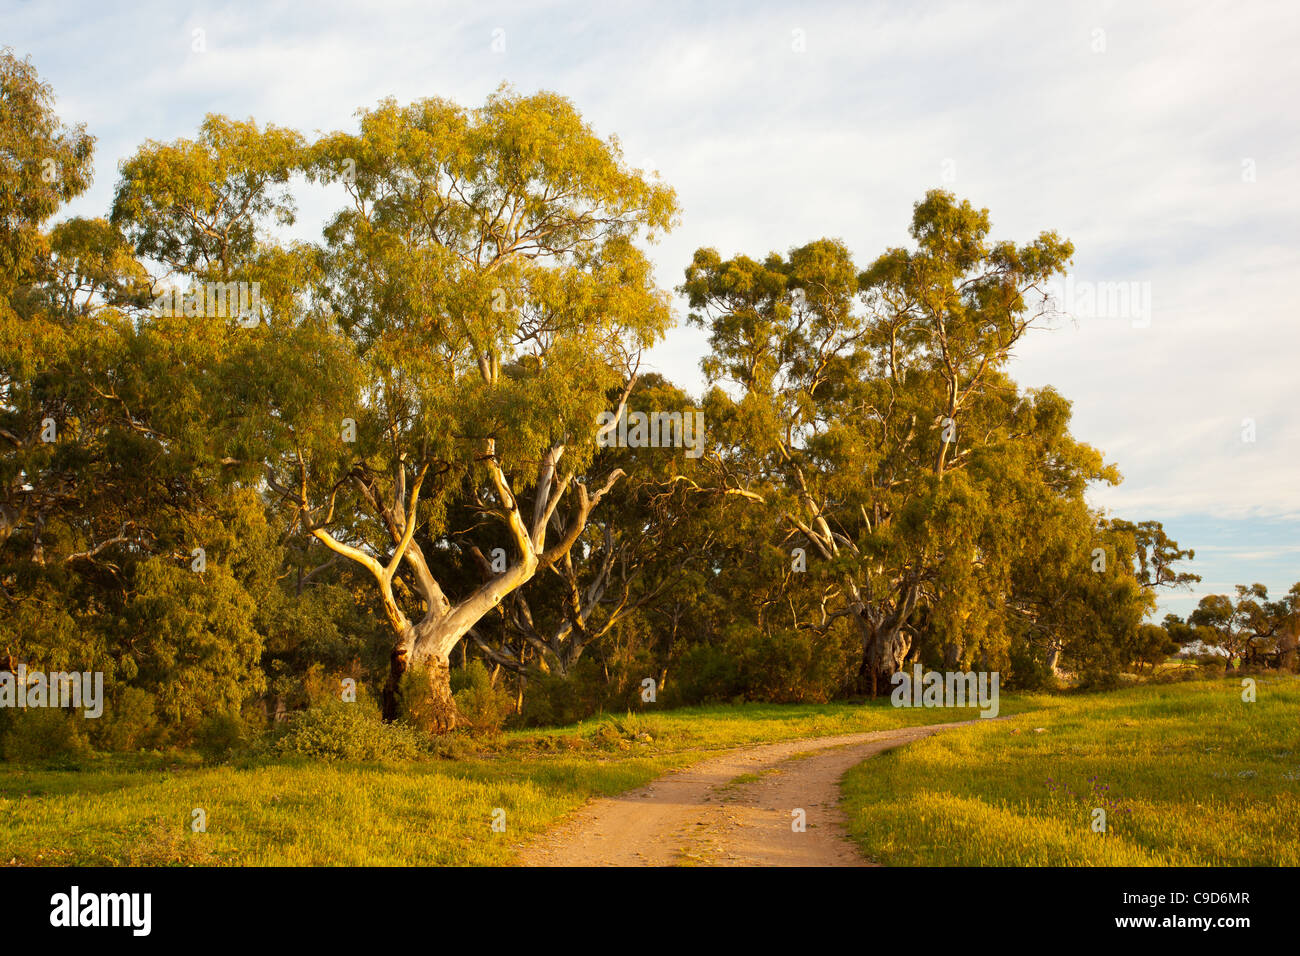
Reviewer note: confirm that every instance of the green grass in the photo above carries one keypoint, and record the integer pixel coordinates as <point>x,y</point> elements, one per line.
<point>137,810</point>
<point>1194,777</point>
<point>1190,775</point>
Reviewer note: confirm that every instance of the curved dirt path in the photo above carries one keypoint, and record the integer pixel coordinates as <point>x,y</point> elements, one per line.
<point>698,816</point>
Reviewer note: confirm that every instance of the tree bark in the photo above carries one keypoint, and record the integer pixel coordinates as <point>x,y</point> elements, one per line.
<point>885,642</point>
<point>397,663</point>
<point>882,658</point>
<point>444,715</point>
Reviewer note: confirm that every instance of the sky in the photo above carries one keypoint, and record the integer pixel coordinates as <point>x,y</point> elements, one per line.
<point>1161,138</point>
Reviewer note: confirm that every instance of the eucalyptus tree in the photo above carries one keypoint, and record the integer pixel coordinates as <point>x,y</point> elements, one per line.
<point>865,398</point>
<point>487,279</point>
<point>106,481</point>
<point>43,164</point>
<point>1249,628</point>
<point>453,339</point>
<point>1156,554</point>
<point>636,556</point>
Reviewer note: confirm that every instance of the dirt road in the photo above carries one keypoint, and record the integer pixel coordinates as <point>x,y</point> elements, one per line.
<point>699,816</point>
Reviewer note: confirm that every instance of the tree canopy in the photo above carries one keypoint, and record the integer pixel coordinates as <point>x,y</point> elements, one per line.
<point>231,463</point>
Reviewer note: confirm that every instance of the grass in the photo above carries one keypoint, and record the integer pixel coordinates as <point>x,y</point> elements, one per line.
<point>137,810</point>
<point>1189,775</point>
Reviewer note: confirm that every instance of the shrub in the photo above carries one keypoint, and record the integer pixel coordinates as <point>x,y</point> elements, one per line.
<point>1180,674</point>
<point>782,667</point>
<point>451,746</point>
<point>320,686</point>
<point>484,708</point>
<point>129,722</point>
<point>633,728</point>
<point>416,703</point>
<point>705,674</point>
<point>222,735</point>
<point>196,646</point>
<point>551,700</point>
<point>46,735</point>
<point>1214,664</point>
<point>339,731</point>
<point>1028,669</point>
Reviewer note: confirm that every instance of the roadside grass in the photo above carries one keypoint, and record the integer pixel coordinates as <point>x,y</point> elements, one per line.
<point>138,809</point>
<point>1188,774</point>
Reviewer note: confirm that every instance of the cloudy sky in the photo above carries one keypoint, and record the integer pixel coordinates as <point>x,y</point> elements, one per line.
<point>1162,138</point>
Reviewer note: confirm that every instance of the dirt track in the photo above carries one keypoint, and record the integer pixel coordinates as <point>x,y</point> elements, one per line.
<point>697,816</point>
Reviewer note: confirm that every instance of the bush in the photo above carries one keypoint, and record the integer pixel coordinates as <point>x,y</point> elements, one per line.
<point>1028,669</point>
<point>551,700</point>
<point>129,722</point>
<point>484,708</point>
<point>320,686</point>
<point>633,728</point>
<point>1213,664</point>
<point>46,735</point>
<point>222,735</point>
<point>339,731</point>
<point>705,674</point>
<point>784,668</point>
<point>415,701</point>
<point>1183,672</point>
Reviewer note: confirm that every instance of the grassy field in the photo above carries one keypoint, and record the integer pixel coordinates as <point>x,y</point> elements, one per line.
<point>1189,775</point>
<point>138,811</point>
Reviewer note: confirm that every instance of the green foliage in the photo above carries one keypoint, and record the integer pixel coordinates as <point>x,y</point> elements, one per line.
<point>197,645</point>
<point>939,511</point>
<point>128,723</point>
<point>1152,645</point>
<point>705,674</point>
<point>221,736</point>
<point>631,729</point>
<point>341,731</point>
<point>1250,628</point>
<point>484,707</point>
<point>45,165</point>
<point>46,735</point>
<point>557,699</point>
<point>420,707</point>
<point>790,666</point>
<point>474,308</point>
<point>1028,669</point>
<point>196,205</point>
<point>781,666</point>
<point>321,687</point>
